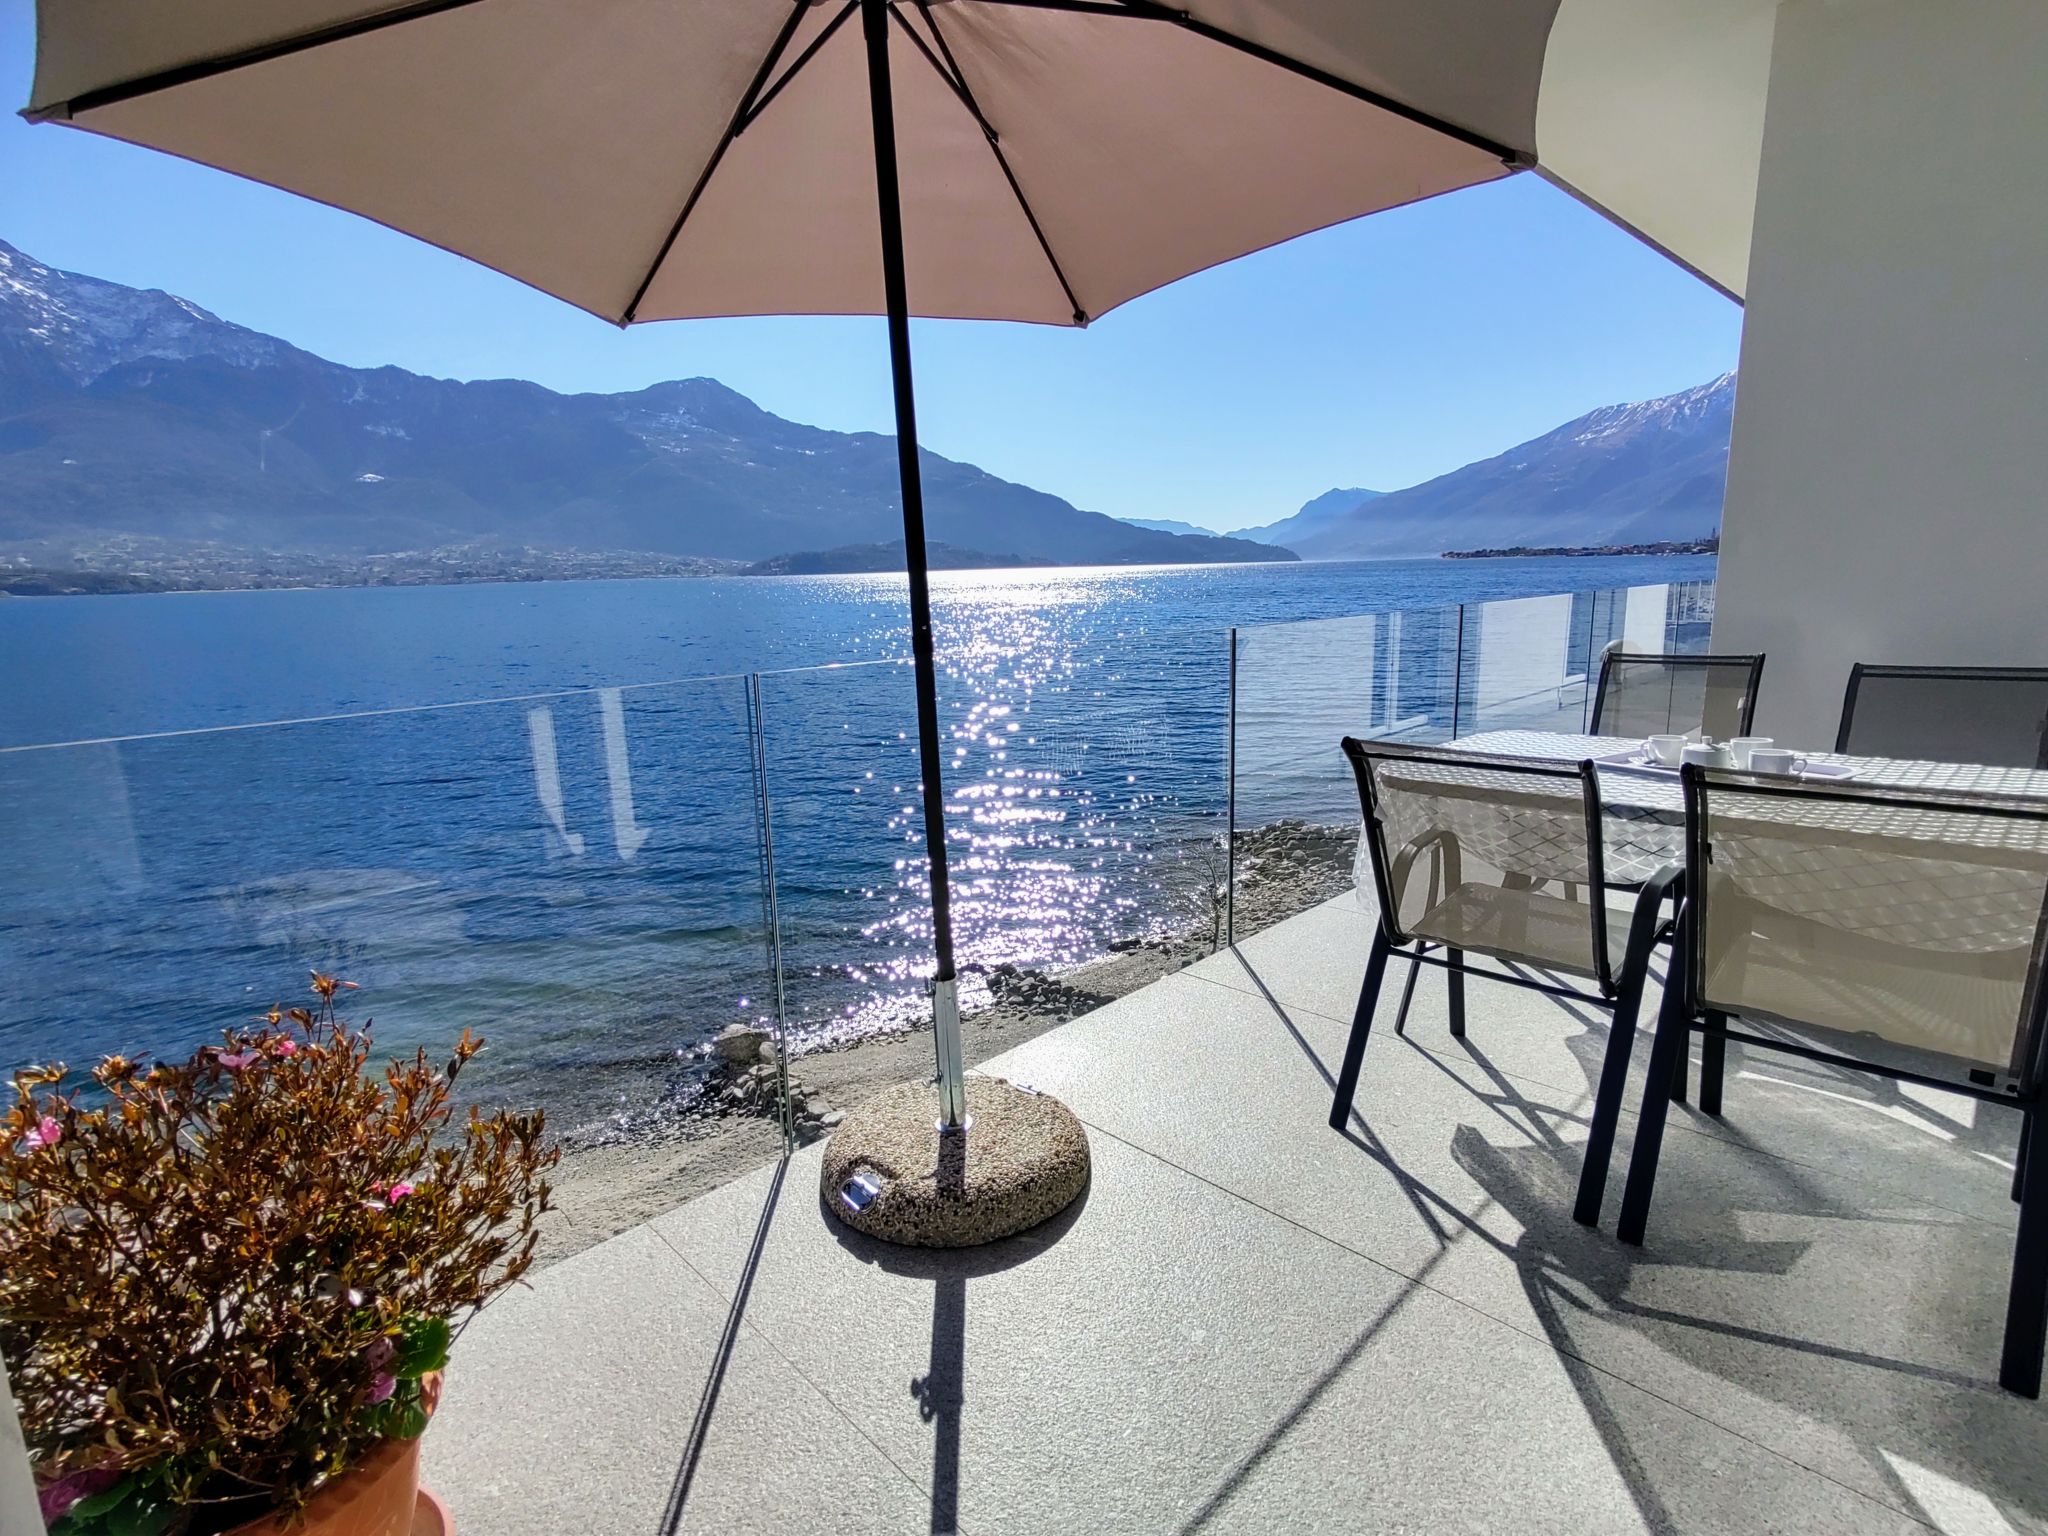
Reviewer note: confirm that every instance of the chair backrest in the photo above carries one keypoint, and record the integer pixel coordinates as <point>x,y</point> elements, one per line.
<point>1644,695</point>
<point>1996,715</point>
<point>1917,918</point>
<point>1462,842</point>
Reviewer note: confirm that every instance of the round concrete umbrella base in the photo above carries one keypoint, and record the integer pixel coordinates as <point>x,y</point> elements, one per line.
<point>891,1173</point>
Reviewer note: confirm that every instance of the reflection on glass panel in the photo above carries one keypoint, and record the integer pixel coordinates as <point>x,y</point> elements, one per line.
<point>1300,689</point>
<point>1646,613</point>
<point>1524,666</point>
<point>575,878</point>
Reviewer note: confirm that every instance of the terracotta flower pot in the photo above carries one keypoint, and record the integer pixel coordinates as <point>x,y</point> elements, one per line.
<point>379,1496</point>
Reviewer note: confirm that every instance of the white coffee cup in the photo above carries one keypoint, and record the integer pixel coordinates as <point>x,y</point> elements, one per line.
<point>1667,750</point>
<point>1776,760</point>
<point>1742,747</point>
<point>1703,754</point>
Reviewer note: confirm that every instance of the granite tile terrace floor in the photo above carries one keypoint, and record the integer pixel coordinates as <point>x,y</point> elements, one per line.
<point>1253,1323</point>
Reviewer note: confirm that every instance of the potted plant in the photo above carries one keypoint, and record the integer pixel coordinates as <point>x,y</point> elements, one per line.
<point>227,1286</point>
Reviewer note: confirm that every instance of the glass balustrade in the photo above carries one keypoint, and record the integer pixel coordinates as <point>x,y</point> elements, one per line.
<point>604,882</point>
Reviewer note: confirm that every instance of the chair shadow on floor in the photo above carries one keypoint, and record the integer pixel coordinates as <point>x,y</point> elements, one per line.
<point>1682,1294</point>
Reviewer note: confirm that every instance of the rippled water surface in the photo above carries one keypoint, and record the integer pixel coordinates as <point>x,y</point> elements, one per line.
<point>568,858</point>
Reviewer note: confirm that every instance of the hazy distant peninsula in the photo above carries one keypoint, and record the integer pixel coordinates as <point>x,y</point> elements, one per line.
<point>877,559</point>
<point>1708,546</point>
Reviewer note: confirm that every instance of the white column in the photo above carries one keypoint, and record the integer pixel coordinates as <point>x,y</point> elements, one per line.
<point>1888,488</point>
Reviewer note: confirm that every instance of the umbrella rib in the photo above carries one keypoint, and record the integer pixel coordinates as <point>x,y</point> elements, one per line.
<point>954,76</point>
<point>262,53</point>
<point>797,12</point>
<point>789,74</point>
<point>1149,10</point>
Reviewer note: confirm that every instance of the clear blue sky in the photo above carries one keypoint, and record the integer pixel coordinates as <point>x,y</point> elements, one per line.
<point>1378,354</point>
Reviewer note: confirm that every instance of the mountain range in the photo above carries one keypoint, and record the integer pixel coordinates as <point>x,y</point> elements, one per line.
<point>1648,473</point>
<point>1320,512</point>
<point>127,413</point>
<point>131,419</point>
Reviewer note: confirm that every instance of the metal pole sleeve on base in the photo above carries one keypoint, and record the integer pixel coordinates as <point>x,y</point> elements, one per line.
<point>874,17</point>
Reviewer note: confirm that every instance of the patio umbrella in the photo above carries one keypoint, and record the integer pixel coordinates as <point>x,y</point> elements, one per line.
<point>1033,160</point>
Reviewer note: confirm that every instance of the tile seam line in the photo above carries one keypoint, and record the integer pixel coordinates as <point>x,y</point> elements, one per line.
<point>1673,1125</point>
<point>1478,1311</point>
<point>802,1375</point>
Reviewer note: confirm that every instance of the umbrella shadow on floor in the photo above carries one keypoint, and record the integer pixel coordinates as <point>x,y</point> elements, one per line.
<point>940,1392</point>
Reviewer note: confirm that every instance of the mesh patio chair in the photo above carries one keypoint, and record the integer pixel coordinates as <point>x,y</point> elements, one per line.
<point>1872,922</point>
<point>1995,715</point>
<point>1463,848</point>
<point>1645,695</point>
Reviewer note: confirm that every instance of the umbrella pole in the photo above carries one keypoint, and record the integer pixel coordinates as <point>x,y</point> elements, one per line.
<point>874,15</point>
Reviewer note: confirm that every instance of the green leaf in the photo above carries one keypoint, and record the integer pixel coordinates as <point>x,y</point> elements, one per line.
<point>99,1503</point>
<point>147,1514</point>
<point>402,1416</point>
<point>132,1507</point>
<point>422,1346</point>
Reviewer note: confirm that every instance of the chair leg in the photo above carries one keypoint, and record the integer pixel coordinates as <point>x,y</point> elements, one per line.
<point>1361,1026</point>
<point>1666,1055</point>
<point>1454,988</point>
<point>2026,1312</point>
<point>1621,1040</point>
<point>2019,1163</point>
<point>1408,996</point>
<point>1713,1062</point>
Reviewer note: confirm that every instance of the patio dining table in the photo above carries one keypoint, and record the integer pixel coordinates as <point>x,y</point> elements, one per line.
<point>1643,809</point>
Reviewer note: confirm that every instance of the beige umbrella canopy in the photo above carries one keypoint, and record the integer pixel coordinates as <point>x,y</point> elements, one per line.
<point>1036,160</point>
<point>661,159</point>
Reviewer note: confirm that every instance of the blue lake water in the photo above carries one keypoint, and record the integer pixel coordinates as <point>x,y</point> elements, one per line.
<point>566,856</point>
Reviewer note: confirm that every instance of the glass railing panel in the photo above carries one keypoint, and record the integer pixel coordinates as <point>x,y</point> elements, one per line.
<point>1525,664</point>
<point>1085,806</point>
<point>1300,689</point>
<point>574,876</point>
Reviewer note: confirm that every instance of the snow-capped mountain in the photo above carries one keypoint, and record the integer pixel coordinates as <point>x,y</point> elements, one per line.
<point>125,412</point>
<point>1649,472</point>
<point>88,326</point>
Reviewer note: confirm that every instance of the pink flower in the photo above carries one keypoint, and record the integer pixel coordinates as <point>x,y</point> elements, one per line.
<point>382,1385</point>
<point>286,1048</point>
<point>397,1193</point>
<point>234,1061</point>
<point>56,1499</point>
<point>379,1354</point>
<point>47,1133</point>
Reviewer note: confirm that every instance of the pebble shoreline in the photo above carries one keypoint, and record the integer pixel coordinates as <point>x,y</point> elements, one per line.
<point>734,1125</point>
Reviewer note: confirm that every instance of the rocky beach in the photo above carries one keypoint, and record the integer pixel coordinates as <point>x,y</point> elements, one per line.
<point>731,1122</point>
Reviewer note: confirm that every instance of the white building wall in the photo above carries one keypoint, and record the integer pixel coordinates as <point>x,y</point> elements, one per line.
<point>1888,487</point>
